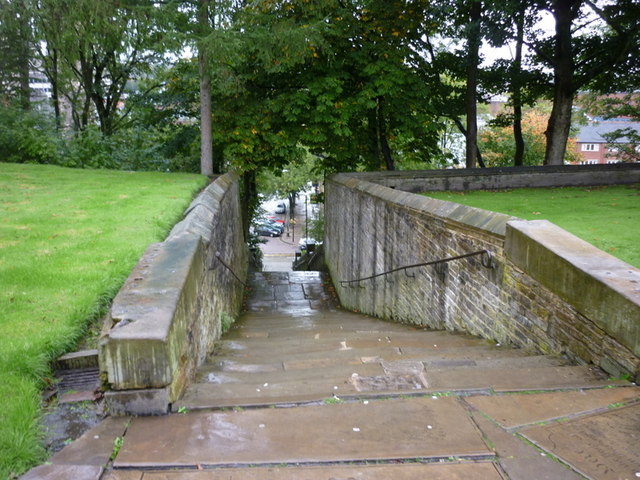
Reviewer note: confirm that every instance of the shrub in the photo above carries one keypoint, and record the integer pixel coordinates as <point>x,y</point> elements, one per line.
<point>28,137</point>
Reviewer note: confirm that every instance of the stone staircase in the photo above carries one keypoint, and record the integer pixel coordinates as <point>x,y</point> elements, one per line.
<point>300,389</point>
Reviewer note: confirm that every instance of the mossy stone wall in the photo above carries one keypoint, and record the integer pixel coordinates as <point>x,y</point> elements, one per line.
<point>167,316</point>
<point>586,305</point>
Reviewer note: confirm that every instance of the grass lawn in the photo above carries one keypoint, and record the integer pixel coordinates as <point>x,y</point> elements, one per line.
<point>68,240</point>
<point>607,217</point>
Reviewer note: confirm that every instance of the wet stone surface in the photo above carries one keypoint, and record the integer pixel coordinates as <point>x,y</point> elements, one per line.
<point>65,422</point>
<point>608,443</point>
<point>350,389</point>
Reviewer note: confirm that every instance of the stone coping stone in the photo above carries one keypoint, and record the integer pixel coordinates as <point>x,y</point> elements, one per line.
<point>199,216</point>
<point>601,446</point>
<point>138,350</point>
<point>145,306</point>
<point>390,429</point>
<point>505,177</point>
<point>433,471</point>
<point>600,286</point>
<point>517,410</point>
<point>491,223</point>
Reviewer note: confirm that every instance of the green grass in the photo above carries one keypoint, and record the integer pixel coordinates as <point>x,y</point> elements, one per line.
<point>607,217</point>
<point>68,240</point>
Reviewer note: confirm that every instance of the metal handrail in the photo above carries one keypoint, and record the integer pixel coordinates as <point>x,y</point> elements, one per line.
<point>487,262</point>
<point>219,257</point>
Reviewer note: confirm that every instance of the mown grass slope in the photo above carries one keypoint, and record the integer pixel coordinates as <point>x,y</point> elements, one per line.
<point>68,240</point>
<point>607,217</point>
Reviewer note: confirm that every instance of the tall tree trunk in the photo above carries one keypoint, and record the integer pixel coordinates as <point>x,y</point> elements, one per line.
<point>473,58</point>
<point>463,131</point>
<point>516,94</point>
<point>559,124</point>
<point>374,138</point>
<point>24,57</point>
<point>249,200</point>
<point>206,142</point>
<point>55,87</point>
<point>382,136</point>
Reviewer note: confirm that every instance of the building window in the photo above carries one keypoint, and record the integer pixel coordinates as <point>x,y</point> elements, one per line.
<point>590,147</point>
<point>589,162</point>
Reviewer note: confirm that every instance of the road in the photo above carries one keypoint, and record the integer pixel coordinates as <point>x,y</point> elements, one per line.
<point>279,252</point>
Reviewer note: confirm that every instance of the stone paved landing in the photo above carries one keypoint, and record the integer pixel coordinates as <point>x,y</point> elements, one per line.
<point>334,395</point>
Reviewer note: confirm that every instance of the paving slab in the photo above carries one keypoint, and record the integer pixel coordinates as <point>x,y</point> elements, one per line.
<point>84,458</point>
<point>435,471</point>
<point>95,446</point>
<point>520,460</point>
<point>518,379</point>
<point>126,474</point>
<point>513,411</point>
<point>380,430</point>
<point>64,472</point>
<point>601,446</point>
<point>295,386</point>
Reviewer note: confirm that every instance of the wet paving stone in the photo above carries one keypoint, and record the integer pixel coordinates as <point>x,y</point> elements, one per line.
<point>512,411</point>
<point>433,471</point>
<point>603,446</point>
<point>392,429</point>
<point>300,389</point>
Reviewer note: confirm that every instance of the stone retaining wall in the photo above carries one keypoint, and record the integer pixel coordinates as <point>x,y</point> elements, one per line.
<point>548,291</point>
<point>165,319</point>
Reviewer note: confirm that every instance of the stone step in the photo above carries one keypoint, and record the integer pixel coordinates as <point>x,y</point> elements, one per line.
<point>419,428</point>
<point>478,470</point>
<point>334,341</point>
<point>229,355</point>
<point>458,359</point>
<point>272,384</point>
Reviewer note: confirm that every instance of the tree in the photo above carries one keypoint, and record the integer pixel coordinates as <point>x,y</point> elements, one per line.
<point>92,50</point>
<point>206,145</point>
<point>499,146</point>
<point>15,52</point>
<point>290,180</point>
<point>474,38</point>
<point>583,54</point>
<point>338,77</point>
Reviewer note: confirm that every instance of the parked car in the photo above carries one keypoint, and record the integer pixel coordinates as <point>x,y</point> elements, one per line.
<point>271,224</point>
<point>267,231</point>
<point>281,208</point>
<point>275,219</point>
<point>308,243</point>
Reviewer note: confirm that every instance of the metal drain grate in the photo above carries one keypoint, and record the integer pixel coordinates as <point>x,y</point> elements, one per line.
<point>78,380</point>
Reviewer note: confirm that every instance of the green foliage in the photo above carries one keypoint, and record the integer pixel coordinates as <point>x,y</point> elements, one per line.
<point>31,137</point>
<point>498,145</point>
<point>226,321</point>
<point>68,240</point>
<point>28,137</point>
<point>118,442</point>
<point>291,179</point>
